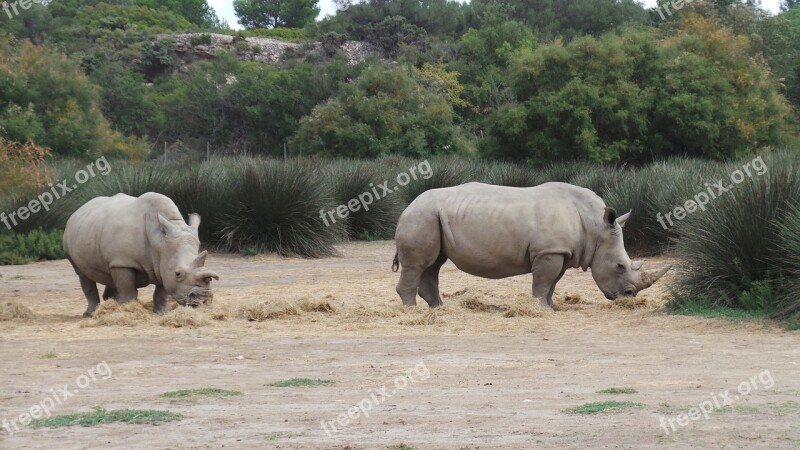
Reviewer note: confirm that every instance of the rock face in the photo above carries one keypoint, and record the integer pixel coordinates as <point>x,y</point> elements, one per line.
<point>261,49</point>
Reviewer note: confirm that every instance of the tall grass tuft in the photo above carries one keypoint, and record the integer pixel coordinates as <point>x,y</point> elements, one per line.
<point>788,297</point>
<point>728,251</point>
<point>447,171</point>
<point>348,181</point>
<point>275,207</point>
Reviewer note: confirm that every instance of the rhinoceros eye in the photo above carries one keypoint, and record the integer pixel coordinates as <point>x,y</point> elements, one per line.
<point>178,275</point>
<point>620,267</point>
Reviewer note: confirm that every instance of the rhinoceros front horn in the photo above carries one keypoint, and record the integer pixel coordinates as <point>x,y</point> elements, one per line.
<point>648,278</point>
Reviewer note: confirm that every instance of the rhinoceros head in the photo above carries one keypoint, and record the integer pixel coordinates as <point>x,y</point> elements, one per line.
<point>180,267</point>
<point>613,271</point>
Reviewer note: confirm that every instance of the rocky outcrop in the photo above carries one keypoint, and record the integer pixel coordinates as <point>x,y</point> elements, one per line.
<point>261,49</point>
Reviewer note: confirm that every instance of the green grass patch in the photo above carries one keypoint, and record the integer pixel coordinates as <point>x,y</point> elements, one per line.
<point>101,416</point>
<point>400,446</point>
<point>600,407</point>
<point>301,382</point>
<point>49,355</point>
<point>616,390</point>
<point>703,309</point>
<point>201,392</point>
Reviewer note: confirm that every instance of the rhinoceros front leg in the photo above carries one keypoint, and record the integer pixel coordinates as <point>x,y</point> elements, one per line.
<point>546,271</point>
<point>125,283</point>
<point>160,300</point>
<point>92,296</point>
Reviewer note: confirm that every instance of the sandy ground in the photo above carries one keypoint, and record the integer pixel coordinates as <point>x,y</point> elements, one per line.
<point>465,376</point>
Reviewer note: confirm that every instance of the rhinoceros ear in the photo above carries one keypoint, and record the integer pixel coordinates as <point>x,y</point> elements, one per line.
<point>194,220</point>
<point>157,227</point>
<point>200,261</point>
<point>623,218</point>
<point>609,217</point>
<point>168,228</point>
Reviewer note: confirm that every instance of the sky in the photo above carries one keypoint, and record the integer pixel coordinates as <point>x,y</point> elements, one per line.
<point>224,8</point>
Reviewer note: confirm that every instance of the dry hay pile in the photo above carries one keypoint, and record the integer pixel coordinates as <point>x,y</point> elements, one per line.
<point>111,313</point>
<point>10,310</point>
<point>184,317</point>
<point>641,302</point>
<point>136,313</point>
<point>520,305</point>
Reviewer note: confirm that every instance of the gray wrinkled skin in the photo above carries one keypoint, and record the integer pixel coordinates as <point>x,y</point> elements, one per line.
<point>126,243</point>
<point>497,232</point>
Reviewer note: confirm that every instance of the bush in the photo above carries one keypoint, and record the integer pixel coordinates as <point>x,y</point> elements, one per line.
<point>728,252</point>
<point>288,34</point>
<point>37,245</point>
<point>200,39</point>
<point>788,298</point>
<point>350,179</point>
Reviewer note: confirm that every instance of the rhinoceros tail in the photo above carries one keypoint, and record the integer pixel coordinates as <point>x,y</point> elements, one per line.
<point>395,263</point>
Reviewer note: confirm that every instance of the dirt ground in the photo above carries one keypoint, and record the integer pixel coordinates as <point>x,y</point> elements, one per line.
<point>488,370</point>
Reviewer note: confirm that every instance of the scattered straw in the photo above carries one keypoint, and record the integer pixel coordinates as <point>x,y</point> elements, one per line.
<point>184,317</point>
<point>308,305</point>
<point>10,310</point>
<point>111,313</point>
<point>574,299</point>
<point>427,318</point>
<point>258,312</point>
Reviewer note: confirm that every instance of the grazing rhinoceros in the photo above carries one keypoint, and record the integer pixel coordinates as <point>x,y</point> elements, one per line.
<point>126,243</point>
<point>497,232</point>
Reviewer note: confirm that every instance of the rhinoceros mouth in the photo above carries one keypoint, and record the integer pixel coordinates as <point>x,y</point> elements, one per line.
<point>196,297</point>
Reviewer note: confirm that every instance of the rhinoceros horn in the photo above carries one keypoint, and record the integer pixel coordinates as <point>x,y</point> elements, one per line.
<point>648,278</point>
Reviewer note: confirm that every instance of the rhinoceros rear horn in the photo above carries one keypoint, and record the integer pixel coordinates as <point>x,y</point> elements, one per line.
<point>648,278</point>
<point>200,261</point>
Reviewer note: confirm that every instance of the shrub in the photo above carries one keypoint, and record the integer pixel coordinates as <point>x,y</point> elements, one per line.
<point>200,39</point>
<point>728,251</point>
<point>37,245</point>
<point>788,298</point>
<point>350,179</point>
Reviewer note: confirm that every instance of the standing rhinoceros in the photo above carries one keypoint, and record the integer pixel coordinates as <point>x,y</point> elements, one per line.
<point>126,243</point>
<point>498,232</point>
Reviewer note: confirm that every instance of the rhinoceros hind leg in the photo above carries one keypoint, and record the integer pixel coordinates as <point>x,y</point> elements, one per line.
<point>408,285</point>
<point>92,296</point>
<point>110,292</point>
<point>125,282</point>
<point>546,271</point>
<point>160,300</point>
<point>429,283</point>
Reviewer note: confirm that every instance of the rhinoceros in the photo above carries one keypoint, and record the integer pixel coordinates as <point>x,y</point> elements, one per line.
<point>497,232</point>
<point>126,243</point>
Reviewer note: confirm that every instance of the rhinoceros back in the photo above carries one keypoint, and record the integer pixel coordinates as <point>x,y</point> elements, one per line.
<point>111,232</point>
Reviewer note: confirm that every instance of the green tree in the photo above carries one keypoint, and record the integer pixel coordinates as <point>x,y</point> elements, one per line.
<point>275,13</point>
<point>195,11</point>
<point>631,97</point>
<point>385,112</point>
